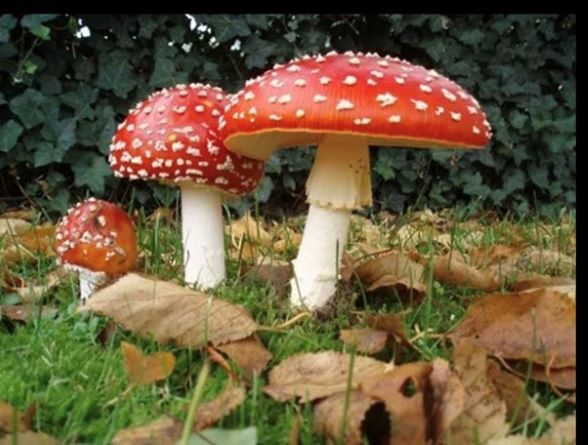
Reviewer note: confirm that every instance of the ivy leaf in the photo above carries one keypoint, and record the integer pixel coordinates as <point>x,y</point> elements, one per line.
<point>7,22</point>
<point>538,175</point>
<point>81,100</point>
<point>146,26</point>
<point>115,73</point>
<point>91,172</point>
<point>32,21</point>
<point>258,51</point>
<point>41,31</point>
<point>227,27</point>
<point>9,134</point>
<point>514,179</point>
<point>62,133</point>
<point>46,153</point>
<point>27,107</point>
<point>98,133</point>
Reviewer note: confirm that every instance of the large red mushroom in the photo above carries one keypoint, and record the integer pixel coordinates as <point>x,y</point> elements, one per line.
<point>172,137</point>
<point>343,103</point>
<point>97,239</point>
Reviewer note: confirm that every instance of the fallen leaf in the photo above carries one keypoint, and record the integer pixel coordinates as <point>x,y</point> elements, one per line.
<point>392,270</point>
<point>145,369</point>
<point>249,354</point>
<point>315,375</point>
<point>26,312</point>
<point>32,293</point>
<point>403,392</point>
<point>208,413</point>
<point>569,290</point>
<point>251,229</point>
<point>30,438</point>
<point>13,226</point>
<point>217,436</point>
<point>564,378</point>
<point>562,432</point>
<point>447,399</point>
<point>275,272</point>
<point>29,244</point>
<point>328,417</point>
<point>366,341</point>
<point>541,281</point>
<point>451,269</point>
<point>484,412</point>
<point>22,420</point>
<point>393,324</point>
<point>539,326</point>
<point>163,431</point>
<point>171,313</point>
<point>26,214</point>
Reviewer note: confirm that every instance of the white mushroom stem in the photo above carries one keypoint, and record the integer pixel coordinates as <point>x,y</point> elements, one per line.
<point>89,281</point>
<point>338,183</point>
<point>203,236</point>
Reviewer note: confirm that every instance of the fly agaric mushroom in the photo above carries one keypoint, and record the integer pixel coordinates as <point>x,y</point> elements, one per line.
<point>343,103</point>
<point>97,239</point>
<point>171,137</point>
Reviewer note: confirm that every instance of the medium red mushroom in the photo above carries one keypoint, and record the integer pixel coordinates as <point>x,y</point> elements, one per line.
<point>97,239</point>
<point>343,103</point>
<point>172,137</point>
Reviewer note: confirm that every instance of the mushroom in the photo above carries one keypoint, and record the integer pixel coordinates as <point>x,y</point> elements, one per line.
<point>171,137</point>
<point>97,239</point>
<point>343,103</point>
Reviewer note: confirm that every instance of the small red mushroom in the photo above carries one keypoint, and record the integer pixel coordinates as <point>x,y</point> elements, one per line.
<point>343,103</point>
<point>172,137</point>
<point>97,239</point>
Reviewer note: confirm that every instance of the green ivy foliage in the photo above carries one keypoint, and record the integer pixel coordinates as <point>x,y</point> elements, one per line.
<point>66,81</point>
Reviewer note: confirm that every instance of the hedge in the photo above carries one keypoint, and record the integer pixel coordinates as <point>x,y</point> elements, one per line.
<point>66,81</point>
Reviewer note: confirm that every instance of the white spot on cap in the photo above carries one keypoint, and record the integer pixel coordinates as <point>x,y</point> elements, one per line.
<point>448,95</point>
<point>394,119</point>
<point>137,160</point>
<point>320,59</point>
<point>463,95</point>
<point>137,143</point>
<point>475,130</point>
<point>252,110</point>
<point>293,68</point>
<point>177,146</point>
<point>383,63</point>
<point>249,95</point>
<point>300,112</point>
<point>221,180</point>
<point>202,93</point>
<point>439,111</point>
<point>350,80</point>
<point>286,98</point>
<point>472,110</point>
<point>377,74</point>
<point>319,98</point>
<point>362,121</point>
<point>455,116</point>
<point>344,104</point>
<point>371,82</point>
<point>325,80</point>
<point>193,151</point>
<point>386,99</point>
<point>300,82</point>
<point>275,117</point>
<point>426,88</point>
<point>354,61</point>
<point>130,127</point>
<point>169,163</point>
<point>277,83</point>
<point>419,105</point>
<point>272,99</point>
<point>400,80</point>
<point>180,109</point>
<point>199,108</point>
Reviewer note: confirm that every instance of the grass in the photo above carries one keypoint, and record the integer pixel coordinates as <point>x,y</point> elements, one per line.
<point>79,382</point>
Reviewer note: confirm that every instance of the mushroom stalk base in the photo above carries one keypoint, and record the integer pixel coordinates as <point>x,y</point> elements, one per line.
<point>340,175</point>
<point>316,268</point>
<point>203,236</point>
<point>89,281</point>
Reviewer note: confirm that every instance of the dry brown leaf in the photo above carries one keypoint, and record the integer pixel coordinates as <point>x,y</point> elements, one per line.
<point>26,214</point>
<point>562,432</point>
<point>484,412</point>
<point>366,341</point>
<point>32,293</point>
<point>13,226</point>
<point>145,369</point>
<point>171,313</point>
<point>163,431</point>
<point>518,439</point>
<point>251,229</point>
<point>328,416</point>
<point>29,244</point>
<point>391,269</point>
<point>276,272</point>
<point>447,401</point>
<point>538,326</point>
<point>249,354</point>
<point>511,389</point>
<point>23,419</point>
<point>539,281</point>
<point>26,312</point>
<point>208,413</point>
<point>403,392</point>
<point>393,324</point>
<point>564,378</point>
<point>450,269</point>
<point>315,375</point>
<point>30,438</point>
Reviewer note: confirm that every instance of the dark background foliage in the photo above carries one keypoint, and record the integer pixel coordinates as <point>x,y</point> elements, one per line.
<point>63,91</point>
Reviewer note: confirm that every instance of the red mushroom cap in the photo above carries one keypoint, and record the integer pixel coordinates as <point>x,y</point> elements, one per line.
<point>98,236</point>
<point>172,137</point>
<point>385,99</point>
